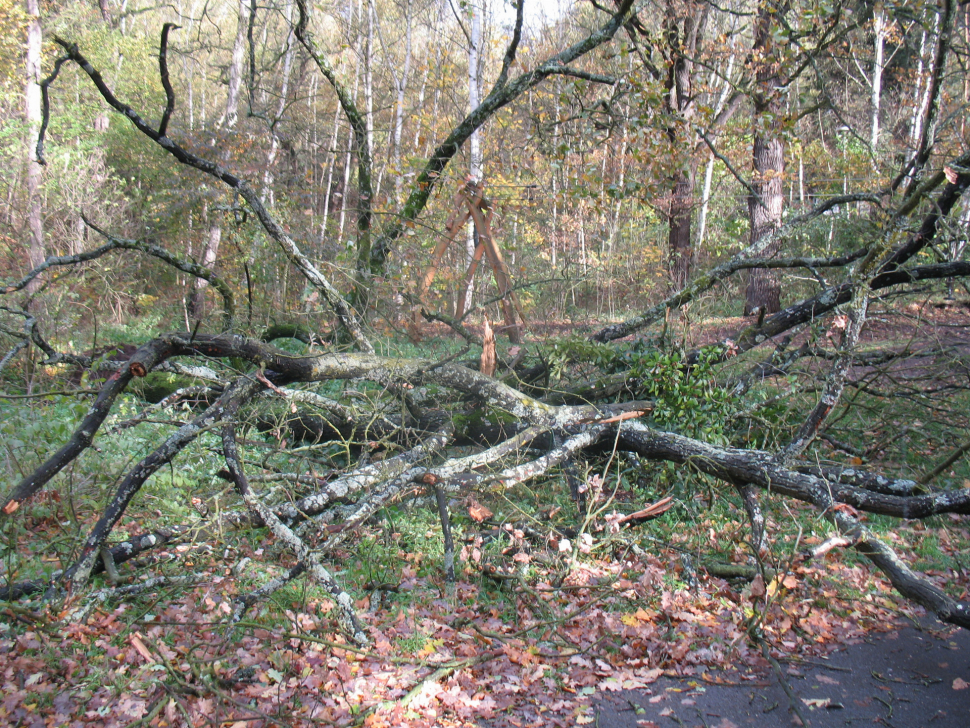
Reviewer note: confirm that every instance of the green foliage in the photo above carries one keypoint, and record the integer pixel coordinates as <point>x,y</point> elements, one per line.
<point>576,349</point>
<point>687,395</point>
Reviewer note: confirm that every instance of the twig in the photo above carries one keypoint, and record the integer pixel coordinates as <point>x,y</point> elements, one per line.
<point>446,532</point>
<point>792,698</point>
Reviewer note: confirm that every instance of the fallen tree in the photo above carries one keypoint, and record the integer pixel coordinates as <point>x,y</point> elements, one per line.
<point>576,429</point>
<point>522,424</point>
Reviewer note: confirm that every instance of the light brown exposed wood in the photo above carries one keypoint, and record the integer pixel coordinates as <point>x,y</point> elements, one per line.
<point>470,202</point>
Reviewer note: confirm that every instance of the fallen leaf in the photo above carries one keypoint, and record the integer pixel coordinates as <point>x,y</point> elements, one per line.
<point>817,702</point>
<point>960,684</point>
<point>478,512</point>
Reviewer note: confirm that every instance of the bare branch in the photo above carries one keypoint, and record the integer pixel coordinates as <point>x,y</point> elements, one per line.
<point>166,81</point>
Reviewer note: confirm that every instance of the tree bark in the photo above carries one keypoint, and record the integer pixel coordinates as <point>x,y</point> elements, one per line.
<point>196,305</point>
<point>236,65</point>
<point>767,200</point>
<point>33,117</point>
<point>475,143</point>
<point>683,35</point>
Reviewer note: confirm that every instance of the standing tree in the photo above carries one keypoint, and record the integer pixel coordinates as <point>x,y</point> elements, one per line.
<point>767,198</point>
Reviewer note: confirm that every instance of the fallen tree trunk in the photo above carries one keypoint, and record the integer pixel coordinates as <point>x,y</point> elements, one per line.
<point>577,428</point>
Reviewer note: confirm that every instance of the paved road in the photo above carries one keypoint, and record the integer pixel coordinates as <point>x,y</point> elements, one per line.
<point>899,679</point>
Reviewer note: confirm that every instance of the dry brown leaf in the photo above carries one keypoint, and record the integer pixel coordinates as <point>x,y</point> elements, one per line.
<point>960,684</point>
<point>478,512</point>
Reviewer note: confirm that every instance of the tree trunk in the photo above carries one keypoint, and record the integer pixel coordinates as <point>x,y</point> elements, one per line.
<point>475,151</point>
<point>681,222</point>
<point>401,82</point>
<point>879,29</point>
<point>766,203</point>
<point>196,308</point>
<point>683,33</point>
<point>269,196</point>
<point>197,301</point>
<point>236,66</point>
<point>32,113</point>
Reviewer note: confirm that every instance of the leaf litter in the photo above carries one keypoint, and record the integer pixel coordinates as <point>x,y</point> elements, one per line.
<point>448,655</point>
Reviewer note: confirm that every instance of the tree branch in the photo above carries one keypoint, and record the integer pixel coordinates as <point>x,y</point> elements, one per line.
<point>166,81</point>
<point>497,98</point>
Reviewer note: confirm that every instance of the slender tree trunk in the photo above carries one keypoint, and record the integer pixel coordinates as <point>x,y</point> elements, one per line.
<point>332,155</point>
<point>766,205</point>
<point>879,29</point>
<point>196,307</point>
<point>348,159</point>
<point>32,113</point>
<point>401,83</point>
<point>236,65</point>
<point>268,176</point>
<point>475,155</point>
<point>709,170</point>
<point>369,94</point>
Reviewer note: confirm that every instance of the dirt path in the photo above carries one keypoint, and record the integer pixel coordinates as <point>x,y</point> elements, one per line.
<point>907,678</point>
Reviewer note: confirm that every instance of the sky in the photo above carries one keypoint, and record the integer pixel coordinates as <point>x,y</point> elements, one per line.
<point>538,13</point>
